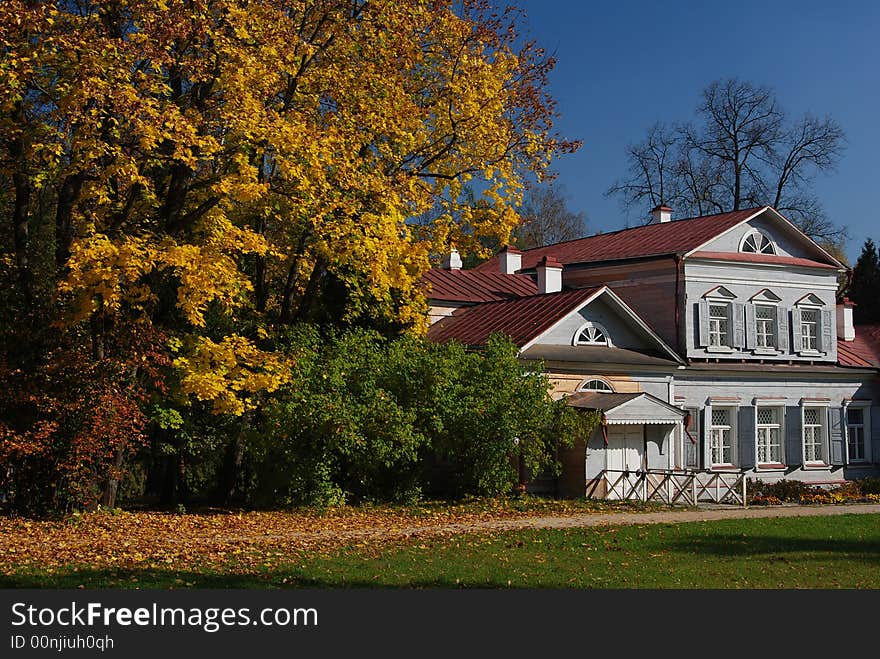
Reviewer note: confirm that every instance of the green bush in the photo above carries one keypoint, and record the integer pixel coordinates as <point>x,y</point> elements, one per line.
<point>372,419</point>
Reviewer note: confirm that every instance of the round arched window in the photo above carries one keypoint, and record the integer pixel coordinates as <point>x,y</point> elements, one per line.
<point>596,385</point>
<point>757,243</point>
<point>592,334</point>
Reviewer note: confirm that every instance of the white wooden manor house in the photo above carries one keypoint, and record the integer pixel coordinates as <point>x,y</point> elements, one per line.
<point>714,347</point>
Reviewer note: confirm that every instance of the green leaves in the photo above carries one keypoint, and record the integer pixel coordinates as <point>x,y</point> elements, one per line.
<point>383,419</point>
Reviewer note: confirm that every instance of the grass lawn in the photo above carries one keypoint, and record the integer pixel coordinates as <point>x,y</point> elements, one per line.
<point>808,552</point>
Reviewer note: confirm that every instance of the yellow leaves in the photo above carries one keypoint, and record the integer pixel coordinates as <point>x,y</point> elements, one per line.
<point>230,372</point>
<point>103,273</point>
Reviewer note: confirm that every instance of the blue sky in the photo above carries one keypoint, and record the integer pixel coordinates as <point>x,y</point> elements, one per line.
<point>624,65</point>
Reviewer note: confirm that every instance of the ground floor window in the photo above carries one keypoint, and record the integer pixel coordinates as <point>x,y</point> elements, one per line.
<point>855,434</point>
<point>769,434</point>
<point>721,436</point>
<point>814,434</point>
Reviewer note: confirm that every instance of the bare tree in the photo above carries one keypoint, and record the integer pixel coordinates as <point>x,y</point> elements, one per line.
<point>547,218</point>
<point>741,151</point>
<point>651,179</point>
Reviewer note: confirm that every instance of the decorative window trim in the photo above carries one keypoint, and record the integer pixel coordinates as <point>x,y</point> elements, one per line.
<point>584,386</point>
<point>779,425</point>
<point>765,296</point>
<point>812,303</point>
<point>590,325</point>
<point>752,245</point>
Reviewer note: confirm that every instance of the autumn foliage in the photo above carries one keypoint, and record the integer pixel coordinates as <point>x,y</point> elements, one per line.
<point>204,173</point>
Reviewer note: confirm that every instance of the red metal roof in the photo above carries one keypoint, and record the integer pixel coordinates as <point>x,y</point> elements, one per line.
<point>676,237</point>
<point>862,351</point>
<point>476,286</point>
<point>745,257</point>
<point>521,319</point>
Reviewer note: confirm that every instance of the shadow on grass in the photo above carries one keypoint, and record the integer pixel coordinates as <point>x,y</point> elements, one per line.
<point>156,579</point>
<point>732,545</point>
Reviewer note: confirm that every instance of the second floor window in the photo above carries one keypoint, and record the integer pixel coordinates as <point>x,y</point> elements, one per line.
<point>809,329</point>
<point>765,326</point>
<point>719,324</point>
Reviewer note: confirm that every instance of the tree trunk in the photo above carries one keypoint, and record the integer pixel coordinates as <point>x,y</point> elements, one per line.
<point>21,210</point>
<point>111,487</point>
<point>68,195</point>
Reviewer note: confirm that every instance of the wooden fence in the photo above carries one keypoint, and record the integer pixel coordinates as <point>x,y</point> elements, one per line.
<point>671,487</point>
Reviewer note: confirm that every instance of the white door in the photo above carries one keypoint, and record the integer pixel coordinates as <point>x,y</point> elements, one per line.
<point>625,446</point>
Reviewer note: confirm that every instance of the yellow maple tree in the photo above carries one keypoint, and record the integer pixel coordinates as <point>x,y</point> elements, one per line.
<point>216,161</point>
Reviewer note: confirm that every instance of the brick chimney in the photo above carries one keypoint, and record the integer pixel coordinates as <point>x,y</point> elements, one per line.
<point>661,214</point>
<point>846,329</point>
<point>549,275</point>
<point>510,260</point>
<point>452,261</point>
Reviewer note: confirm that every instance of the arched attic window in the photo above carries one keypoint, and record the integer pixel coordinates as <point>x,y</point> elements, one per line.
<point>756,242</point>
<point>592,334</point>
<point>595,384</point>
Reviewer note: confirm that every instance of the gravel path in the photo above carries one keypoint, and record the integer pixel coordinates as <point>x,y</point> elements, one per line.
<point>664,517</point>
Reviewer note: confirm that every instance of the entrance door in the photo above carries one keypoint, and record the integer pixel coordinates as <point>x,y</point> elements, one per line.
<point>625,447</point>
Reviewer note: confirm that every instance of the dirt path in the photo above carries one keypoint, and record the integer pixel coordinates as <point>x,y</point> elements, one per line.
<point>668,517</point>
<point>578,521</point>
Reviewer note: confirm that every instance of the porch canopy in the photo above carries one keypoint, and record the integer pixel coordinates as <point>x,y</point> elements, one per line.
<point>635,408</point>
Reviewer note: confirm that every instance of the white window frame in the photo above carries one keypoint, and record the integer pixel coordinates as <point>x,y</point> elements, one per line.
<point>780,427</point>
<point>865,409</point>
<point>766,349</point>
<point>730,428</point>
<point>824,443</point>
<point>816,326</point>
<point>810,303</point>
<point>595,326</point>
<point>728,333</point>
<point>584,386</point>
<point>766,241</point>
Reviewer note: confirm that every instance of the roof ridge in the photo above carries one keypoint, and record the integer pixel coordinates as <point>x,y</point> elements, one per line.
<point>642,226</point>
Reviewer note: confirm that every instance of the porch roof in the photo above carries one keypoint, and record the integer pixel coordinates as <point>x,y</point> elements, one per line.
<point>633,408</point>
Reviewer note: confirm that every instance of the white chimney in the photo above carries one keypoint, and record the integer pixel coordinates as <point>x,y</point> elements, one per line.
<point>846,330</point>
<point>661,214</point>
<point>549,275</point>
<point>510,260</point>
<point>452,261</point>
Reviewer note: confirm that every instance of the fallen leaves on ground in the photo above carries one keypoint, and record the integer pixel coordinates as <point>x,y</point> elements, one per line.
<point>252,541</point>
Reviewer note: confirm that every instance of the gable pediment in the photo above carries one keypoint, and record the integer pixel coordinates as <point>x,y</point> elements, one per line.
<point>810,300</point>
<point>765,296</point>
<point>719,292</point>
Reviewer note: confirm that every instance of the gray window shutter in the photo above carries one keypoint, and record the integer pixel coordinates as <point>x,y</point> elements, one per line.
<point>835,435</point>
<point>692,440</point>
<point>782,329</point>
<point>738,316</point>
<point>794,441</point>
<point>746,432</point>
<point>824,333</point>
<point>874,434</point>
<point>703,322</point>
<point>751,327</point>
<point>796,338</point>
<point>706,444</point>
